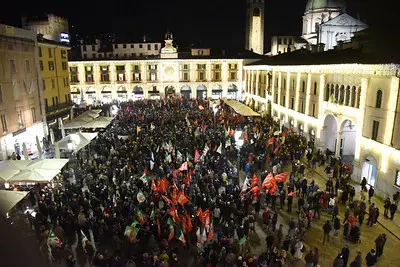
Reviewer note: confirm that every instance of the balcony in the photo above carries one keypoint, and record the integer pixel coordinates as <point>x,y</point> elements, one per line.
<point>74,82</point>
<point>105,81</point>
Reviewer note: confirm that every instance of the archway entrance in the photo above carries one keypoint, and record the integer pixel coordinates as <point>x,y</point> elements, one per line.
<point>329,133</point>
<point>137,93</point>
<point>369,170</point>
<point>201,92</point>
<point>170,91</point>
<point>348,141</point>
<point>186,92</point>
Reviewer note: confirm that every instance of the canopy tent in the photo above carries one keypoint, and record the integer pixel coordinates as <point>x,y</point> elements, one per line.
<point>100,122</point>
<point>93,113</point>
<point>8,199</point>
<point>34,176</point>
<point>47,164</point>
<point>241,108</point>
<point>11,167</point>
<point>76,141</point>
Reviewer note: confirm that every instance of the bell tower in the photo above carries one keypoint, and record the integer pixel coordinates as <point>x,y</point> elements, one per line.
<point>255,26</point>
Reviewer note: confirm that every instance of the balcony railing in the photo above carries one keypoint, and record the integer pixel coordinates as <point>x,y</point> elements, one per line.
<point>60,106</point>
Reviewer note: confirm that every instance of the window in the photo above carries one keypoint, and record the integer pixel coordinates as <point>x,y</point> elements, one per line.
<point>232,76</point>
<point>315,88</point>
<point>217,66</point>
<point>284,83</point>
<point>115,46</point>
<point>94,56</point>
<point>302,107</point>
<point>132,46</point>
<point>185,66</point>
<point>33,114</point>
<point>185,76</point>
<point>85,56</point>
<point>27,65</point>
<point>292,103</point>
<point>279,41</point>
<point>303,88</point>
<point>217,76</point>
<point>44,84</point>
<point>121,77</point>
<point>1,95</point>
<point>284,41</point>
<point>50,52</point>
<point>140,46</point>
<point>201,76</point>
<point>375,130</point>
<point>313,110</point>
<point>156,47</point>
<point>153,76</point>
<point>100,55</point>
<point>63,54</point>
<point>149,47</point>
<point>41,65</point>
<point>4,122</point>
<point>200,52</point>
<point>40,52</point>
<point>153,67</point>
<point>51,65</point>
<point>20,119</point>
<point>105,77</point>
<point>293,84</point>
<point>136,68</point>
<point>136,76</point>
<point>65,81</point>
<point>378,99</point>
<point>53,101</point>
<point>89,78</point>
<point>397,180</point>
<point>84,49</point>
<point>57,101</point>
<point>125,55</point>
<point>124,46</point>
<point>64,65</point>
<point>13,67</point>
<point>53,83</point>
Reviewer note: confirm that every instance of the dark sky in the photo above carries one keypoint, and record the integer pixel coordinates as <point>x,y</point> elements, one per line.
<point>209,22</point>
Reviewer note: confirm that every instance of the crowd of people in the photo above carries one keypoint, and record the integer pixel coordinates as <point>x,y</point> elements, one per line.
<point>160,187</point>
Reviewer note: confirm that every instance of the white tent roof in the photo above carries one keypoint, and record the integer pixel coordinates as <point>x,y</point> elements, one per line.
<point>34,176</point>
<point>8,199</point>
<point>79,140</point>
<point>100,122</point>
<point>47,164</point>
<point>11,167</point>
<point>241,108</point>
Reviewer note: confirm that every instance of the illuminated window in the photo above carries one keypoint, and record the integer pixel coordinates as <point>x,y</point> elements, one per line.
<point>51,65</point>
<point>53,83</point>
<point>20,119</point>
<point>397,181</point>
<point>50,53</point>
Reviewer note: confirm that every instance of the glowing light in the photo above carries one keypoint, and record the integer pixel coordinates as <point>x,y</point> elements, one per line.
<point>297,99</point>
<point>308,93</point>
<point>6,185</point>
<point>390,114</point>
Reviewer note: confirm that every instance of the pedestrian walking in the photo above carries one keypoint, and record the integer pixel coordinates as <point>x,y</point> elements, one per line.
<point>380,242</point>
<point>327,229</point>
<point>371,258</point>
<point>371,192</point>
<point>345,253</point>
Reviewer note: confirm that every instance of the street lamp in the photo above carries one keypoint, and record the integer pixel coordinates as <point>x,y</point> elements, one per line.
<point>238,143</point>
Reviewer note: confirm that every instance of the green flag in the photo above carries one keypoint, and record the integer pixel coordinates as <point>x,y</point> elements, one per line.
<point>242,240</point>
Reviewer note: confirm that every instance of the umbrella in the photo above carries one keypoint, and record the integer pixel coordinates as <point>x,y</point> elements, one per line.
<point>34,176</point>
<point>47,164</point>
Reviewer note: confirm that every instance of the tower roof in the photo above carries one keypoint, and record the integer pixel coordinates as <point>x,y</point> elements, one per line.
<point>313,5</point>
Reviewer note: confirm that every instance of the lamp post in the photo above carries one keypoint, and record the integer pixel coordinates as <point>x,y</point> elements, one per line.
<point>238,143</point>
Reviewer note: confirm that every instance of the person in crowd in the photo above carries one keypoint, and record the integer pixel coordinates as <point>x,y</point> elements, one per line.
<point>338,262</point>
<point>380,242</point>
<point>357,262</point>
<point>371,192</point>
<point>345,255</point>
<point>386,207</point>
<point>327,229</point>
<point>371,258</point>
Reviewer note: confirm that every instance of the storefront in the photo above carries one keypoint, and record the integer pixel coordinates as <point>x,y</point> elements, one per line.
<point>122,94</point>
<point>106,96</point>
<point>201,92</point>
<point>154,94</point>
<point>216,92</point>
<point>186,92</point>
<point>312,136</point>
<point>300,128</point>
<point>170,91</point>
<point>91,96</point>
<point>137,93</point>
<point>76,96</point>
<point>232,92</point>
<point>13,142</point>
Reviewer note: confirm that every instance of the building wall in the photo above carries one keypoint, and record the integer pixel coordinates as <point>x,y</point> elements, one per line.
<point>56,81</point>
<point>282,44</point>
<point>167,73</point>
<point>20,101</point>
<point>345,99</point>
<point>50,28</point>
<point>255,26</point>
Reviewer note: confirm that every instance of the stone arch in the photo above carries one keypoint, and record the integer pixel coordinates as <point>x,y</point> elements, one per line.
<point>329,133</point>
<point>256,12</point>
<point>201,91</point>
<point>348,140</point>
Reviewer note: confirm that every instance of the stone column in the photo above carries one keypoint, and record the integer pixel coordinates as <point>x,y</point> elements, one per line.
<point>338,141</point>
<point>257,83</point>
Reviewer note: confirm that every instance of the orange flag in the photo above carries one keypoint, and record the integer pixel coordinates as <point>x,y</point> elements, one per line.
<point>182,199</point>
<point>153,186</point>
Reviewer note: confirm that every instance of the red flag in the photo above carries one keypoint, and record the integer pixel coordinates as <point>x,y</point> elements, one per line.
<point>292,194</point>
<point>174,214</point>
<point>161,186</point>
<point>276,150</point>
<point>281,177</point>
<point>196,156</point>
<point>255,189</point>
<point>167,200</point>
<point>153,186</point>
<point>270,141</point>
<point>198,212</point>
<point>174,196</point>
<point>254,180</point>
<point>189,223</point>
<point>187,179</point>
<point>182,199</point>
<point>184,166</point>
<point>205,217</point>
<point>267,180</point>
<point>210,234</point>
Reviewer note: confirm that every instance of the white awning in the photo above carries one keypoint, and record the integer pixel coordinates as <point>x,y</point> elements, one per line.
<point>241,108</point>
<point>34,176</point>
<point>76,141</point>
<point>8,199</point>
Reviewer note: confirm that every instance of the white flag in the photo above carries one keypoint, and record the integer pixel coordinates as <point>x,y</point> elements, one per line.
<point>151,165</point>
<point>219,150</point>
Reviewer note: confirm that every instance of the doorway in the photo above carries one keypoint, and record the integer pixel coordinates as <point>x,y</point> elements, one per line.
<point>369,170</point>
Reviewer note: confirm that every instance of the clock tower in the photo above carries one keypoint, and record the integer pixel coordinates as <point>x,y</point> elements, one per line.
<point>255,26</point>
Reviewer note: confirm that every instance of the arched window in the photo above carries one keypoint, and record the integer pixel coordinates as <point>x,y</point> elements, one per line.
<point>284,41</point>
<point>256,12</point>
<point>341,95</point>
<point>303,88</point>
<point>336,92</point>
<point>358,97</point>
<point>332,90</point>
<point>284,83</point>
<point>378,99</point>
<point>347,100</point>
<point>279,41</point>
<point>353,96</point>
<point>327,92</point>
<point>315,88</point>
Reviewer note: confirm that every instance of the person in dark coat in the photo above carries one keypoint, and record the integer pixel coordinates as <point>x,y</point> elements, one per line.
<point>357,262</point>
<point>371,258</point>
<point>327,229</point>
<point>371,192</point>
<point>380,242</point>
<point>345,253</point>
<point>393,208</point>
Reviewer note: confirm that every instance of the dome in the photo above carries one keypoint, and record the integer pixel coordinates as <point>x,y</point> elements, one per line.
<point>325,4</point>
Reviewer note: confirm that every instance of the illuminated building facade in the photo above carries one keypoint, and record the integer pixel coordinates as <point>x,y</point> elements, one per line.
<point>255,17</point>
<point>53,65</point>
<point>20,112</point>
<point>350,109</point>
<point>104,81</point>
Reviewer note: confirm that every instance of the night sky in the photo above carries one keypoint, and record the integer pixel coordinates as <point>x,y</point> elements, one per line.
<point>218,23</point>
